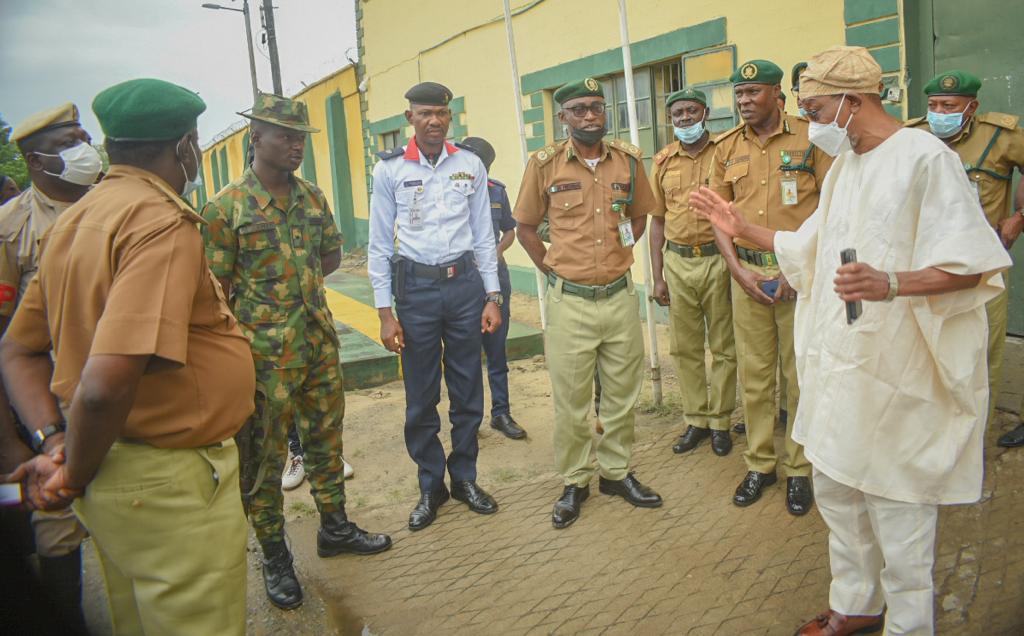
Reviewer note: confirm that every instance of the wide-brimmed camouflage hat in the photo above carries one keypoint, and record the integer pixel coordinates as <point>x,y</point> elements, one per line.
<point>281,111</point>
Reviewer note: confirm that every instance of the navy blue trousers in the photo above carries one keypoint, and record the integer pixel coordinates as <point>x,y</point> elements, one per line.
<point>494,349</point>
<point>441,321</point>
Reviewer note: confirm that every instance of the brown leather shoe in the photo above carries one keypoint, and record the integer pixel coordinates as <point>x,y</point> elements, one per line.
<point>833,623</point>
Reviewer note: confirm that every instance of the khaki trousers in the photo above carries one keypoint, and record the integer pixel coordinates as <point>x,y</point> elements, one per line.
<point>57,533</point>
<point>700,308</point>
<point>881,553</point>
<point>996,310</point>
<point>170,533</point>
<point>764,339</point>
<point>580,335</point>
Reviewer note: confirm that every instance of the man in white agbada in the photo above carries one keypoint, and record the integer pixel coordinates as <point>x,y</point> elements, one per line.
<point>892,407</point>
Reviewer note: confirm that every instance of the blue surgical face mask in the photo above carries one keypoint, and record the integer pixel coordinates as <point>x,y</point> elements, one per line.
<point>802,111</point>
<point>689,134</point>
<point>945,124</point>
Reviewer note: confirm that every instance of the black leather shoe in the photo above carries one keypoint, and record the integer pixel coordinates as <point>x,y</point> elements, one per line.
<point>279,576</point>
<point>631,490</point>
<point>567,508</point>
<point>507,426</point>
<point>338,535</point>
<point>799,495</point>
<point>740,428</point>
<point>750,488</point>
<point>1013,438</point>
<point>426,510</point>
<point>474,496</point>
<point>721,443</point>
<point>689,440</point>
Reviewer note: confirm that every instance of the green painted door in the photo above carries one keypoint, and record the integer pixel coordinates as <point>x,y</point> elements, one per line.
<point>983,37</point>
<point>341,172</point>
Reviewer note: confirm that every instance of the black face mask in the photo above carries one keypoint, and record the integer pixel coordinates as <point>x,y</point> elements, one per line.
<point>588,137</point>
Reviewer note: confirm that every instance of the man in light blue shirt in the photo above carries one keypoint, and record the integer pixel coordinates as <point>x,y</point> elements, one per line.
<point>443,277</point>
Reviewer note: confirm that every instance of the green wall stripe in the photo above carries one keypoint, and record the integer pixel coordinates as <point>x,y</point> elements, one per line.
<point>532,115</point>
<point>308,165</point>
<point>691,38</point>
<point>874,33</point>
<point>536,99</point>
<point>861,10</point>
<point>888,58</point>
<point>224,174</point>
<point>341,170</point>
<point>535,143</point>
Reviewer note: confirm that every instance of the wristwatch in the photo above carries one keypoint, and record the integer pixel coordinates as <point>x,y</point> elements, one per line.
<point>494,298</point>
<point>40,436</point>
<point>894,286</point>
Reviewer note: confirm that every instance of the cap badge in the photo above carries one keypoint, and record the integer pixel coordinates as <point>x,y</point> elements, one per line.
<point>749,71</point>
<point>590,83</point>
<point>949,82</point>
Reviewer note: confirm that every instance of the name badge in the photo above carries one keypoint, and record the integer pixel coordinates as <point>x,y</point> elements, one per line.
<point>626,233</point>
<point>789,191</point>
<point>416,215</point>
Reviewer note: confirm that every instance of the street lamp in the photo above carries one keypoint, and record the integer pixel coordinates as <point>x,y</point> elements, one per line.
<point>248,40</point>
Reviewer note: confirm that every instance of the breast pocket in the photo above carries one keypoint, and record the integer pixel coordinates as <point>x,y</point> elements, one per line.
<point>672,185</point>
<point>259,252</point>
<point>565,210</point>
<point>736,176</point>
<point>456,196</point>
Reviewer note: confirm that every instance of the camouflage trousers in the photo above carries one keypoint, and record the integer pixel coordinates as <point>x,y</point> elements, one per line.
<point>313,398</point>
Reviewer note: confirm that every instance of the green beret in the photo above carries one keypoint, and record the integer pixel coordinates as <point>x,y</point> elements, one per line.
<point>757,72</point>
<point>147,110</point>
<point>588,87</point>
<point>953,83</point>
<point>794,75</point>
<point>429,94</point>
<point>691,94</point>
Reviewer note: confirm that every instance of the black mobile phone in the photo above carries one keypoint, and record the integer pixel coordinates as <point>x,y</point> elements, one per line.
<point>853,309</point>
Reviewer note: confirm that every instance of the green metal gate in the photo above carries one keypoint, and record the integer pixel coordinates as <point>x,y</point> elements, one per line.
<point>983,37</point>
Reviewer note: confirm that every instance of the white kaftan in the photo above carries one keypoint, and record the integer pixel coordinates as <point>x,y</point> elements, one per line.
<point>895,404</point>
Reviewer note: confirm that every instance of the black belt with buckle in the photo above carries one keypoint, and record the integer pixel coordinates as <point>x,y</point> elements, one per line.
<point>756,257</point>
<point>444,271</point>
<point>590,292</point>
<point>689,251</point>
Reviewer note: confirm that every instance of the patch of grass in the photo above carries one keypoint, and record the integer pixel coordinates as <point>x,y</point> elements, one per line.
<point>395,495</point>
<point>301,508</point>
<point>360,501</point>
<point>505,475</point>
<point>647,406</point>
<point>358,453</point>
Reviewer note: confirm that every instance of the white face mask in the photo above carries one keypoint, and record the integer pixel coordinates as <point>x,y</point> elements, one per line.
<point>830,137</point>
<point>82,164</point>
<point>196,182</point>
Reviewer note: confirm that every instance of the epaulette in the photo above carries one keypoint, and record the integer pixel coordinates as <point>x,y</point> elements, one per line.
<point>627,147</point>
<point>397,151</point>
<point>545,154</point>
<point>915,122</point>
<point>663,154</point>
<point>1000,119</point>
<point>729,133</point>
<point>496,182</point>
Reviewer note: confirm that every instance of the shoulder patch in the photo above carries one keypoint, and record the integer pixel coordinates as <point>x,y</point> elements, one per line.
<point>627,147</point>
<point>397,151</point>
<point>915,122</point>
<point>663,154</point>
<point>545,154</point>
<point>1000,119</point>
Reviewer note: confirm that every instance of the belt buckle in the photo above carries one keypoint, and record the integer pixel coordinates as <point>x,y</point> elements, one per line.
<point>601,292</point>
<point>697,251</point>
<point>449,272</point>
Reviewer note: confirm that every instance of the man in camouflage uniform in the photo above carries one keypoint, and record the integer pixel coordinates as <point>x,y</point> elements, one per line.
<point>991,146</point>
<point>270,239</point>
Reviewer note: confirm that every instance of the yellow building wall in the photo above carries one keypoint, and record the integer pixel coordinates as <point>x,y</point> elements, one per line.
<point>315,97</point>
<point>466,51</point>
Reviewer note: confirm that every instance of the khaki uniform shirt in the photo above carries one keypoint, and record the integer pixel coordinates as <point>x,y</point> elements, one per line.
<point>585,245</point>
<point>123,272</point>
<point>991,177</point>
<point>271,254</point>
<point>23,221</point>
<point>676,175</point>
<point>750,174</point>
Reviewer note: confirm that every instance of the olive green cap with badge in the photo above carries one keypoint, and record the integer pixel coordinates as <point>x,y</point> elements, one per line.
<point>147,110</point>
<point>953,83</point>
<point>588,87</point>
<point>281,111</point>
<point>689,94</point>
<point>757,72</point>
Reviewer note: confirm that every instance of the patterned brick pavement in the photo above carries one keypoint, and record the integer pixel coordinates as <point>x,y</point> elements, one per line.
<point>698,565</point>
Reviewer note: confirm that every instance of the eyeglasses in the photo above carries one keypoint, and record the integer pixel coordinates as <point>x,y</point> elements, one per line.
<point>580,110</point>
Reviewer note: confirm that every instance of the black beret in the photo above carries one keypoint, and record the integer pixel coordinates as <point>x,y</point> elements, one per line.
<point>429,94</point>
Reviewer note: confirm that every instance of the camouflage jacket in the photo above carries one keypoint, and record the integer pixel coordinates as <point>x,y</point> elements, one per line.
<point>272,259</point>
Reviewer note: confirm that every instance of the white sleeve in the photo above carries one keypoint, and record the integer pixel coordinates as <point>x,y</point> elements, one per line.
<point>383,210</point>
<point>797,252</point>
<point>483,230</point>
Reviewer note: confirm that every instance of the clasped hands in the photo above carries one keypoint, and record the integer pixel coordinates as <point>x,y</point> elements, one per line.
<point>44,481</point>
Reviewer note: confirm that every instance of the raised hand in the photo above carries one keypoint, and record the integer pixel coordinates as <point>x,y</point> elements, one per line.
<point>722,214</point>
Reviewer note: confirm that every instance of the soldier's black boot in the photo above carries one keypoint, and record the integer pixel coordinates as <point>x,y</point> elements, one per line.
<point>62,578</point>
<point>279,576</point>
<point>338,535</point>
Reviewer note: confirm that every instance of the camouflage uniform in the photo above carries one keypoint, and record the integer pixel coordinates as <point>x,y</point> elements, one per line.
<point>271,256</point>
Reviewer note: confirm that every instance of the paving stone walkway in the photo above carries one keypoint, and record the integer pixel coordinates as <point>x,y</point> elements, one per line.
<point>698,565</point>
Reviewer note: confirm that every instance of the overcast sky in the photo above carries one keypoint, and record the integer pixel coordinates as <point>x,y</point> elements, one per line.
<point>55,51</point>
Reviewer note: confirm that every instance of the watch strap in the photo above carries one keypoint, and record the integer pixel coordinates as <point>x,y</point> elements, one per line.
<point>39,436</point>
<point>894,286</point>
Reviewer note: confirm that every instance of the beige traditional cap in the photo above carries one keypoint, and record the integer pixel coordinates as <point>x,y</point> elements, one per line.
<point>841,69</point>
<point>63,115</point>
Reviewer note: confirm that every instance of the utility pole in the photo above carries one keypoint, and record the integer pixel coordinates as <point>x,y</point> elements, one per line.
<point>248,40</point>
<point>275,64</point>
